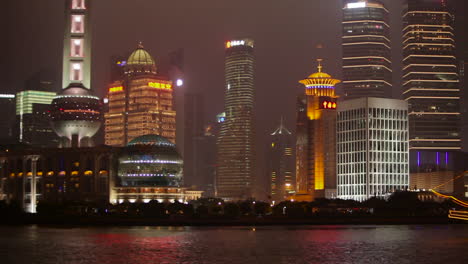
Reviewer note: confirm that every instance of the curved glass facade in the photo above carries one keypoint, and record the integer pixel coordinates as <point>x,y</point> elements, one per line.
<point>235,142</point>
<point>149,161</point>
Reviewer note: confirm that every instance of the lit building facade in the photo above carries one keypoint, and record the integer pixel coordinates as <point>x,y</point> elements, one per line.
<point>281,164</point>
<point>148,169</point>
<point>235,174</point>
<point>141,103</point>
<point>316,143</point>
<point>32,116</point>
<point>367,67</point>
<point>77,44</point>
<point>75,112</point>
<point>372,148</point>
<point>431,85</point>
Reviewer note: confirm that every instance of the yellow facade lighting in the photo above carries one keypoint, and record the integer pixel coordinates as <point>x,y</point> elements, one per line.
<point>115,89</point>
<point>162,86</point>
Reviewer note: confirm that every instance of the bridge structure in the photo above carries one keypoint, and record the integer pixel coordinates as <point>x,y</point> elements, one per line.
<point>454,214</point>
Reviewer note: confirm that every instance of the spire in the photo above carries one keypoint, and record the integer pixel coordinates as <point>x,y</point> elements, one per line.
<point>140,45</point>
<point>319,65</point>
<point>281,129</point>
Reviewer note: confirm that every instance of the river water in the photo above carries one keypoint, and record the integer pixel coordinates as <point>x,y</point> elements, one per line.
<point>225,245</point>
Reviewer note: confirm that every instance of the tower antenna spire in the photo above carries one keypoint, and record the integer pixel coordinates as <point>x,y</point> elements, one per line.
<point>319,65</point>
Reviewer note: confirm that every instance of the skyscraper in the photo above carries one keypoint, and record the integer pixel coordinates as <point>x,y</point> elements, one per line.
<point>32,110</point>
<point>431,84</point>
<point>32,116</point>
<point>372,148</point>
<point>75,113</point>
<point>235,173</point>
<point>316,143</point>
<point>367,67</point>
<point>7,107</point>
<point>281,164</point>
<point>193,138</point>
<point>141,103</point>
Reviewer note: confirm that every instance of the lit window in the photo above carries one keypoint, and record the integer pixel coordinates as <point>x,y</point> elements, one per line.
<point>76,48</point>
<point>78,4</point>
<point>77,24</point>
<point>76,71</point>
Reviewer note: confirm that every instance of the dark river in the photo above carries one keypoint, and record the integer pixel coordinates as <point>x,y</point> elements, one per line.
<point>298,244</point>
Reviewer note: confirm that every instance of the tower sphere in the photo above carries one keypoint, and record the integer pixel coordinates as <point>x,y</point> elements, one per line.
<point>76,112</point>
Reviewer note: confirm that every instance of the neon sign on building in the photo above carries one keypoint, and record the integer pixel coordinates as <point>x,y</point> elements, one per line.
<point>115,89</point>
<point>163,86</point>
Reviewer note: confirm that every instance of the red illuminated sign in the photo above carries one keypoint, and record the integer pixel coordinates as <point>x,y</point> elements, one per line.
<point>328,105</point>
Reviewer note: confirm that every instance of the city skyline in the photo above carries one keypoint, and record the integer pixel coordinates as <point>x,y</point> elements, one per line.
<point>248,131</point>
<point>77,74</point>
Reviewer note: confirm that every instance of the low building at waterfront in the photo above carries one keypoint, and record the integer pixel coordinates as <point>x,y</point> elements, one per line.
<point>148,169</point>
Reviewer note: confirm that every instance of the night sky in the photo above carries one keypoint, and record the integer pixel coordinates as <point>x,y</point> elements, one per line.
<point>286,34</point>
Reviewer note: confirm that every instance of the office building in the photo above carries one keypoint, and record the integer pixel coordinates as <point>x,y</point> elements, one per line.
<point>315,138</point>
<point>235,174</point>
<point>32,118</point>
<point>7,125</point>
<point>194,128</point>
<point>281,164</point>
<point>372,148</point>
<point>141,103</point>
<point>367,67</point>
<point>431,88</point>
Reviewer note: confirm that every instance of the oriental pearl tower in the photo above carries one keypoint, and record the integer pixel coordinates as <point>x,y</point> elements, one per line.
<point>75,112</point>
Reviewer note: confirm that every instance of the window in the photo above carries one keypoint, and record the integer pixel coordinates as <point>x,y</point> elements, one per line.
<point>76,71</point>
<point>76,48</point>
<point>77,24</point>
<point>78,4</point>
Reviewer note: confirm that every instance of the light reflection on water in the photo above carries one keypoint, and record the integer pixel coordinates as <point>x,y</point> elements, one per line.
<point>299,244</point>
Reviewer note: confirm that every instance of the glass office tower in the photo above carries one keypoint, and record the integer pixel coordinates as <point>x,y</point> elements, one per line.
<point>367,67</point>
<point>236,139</point>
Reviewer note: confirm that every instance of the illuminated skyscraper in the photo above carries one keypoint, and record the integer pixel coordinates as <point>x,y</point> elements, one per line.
<point>141,103</point>
<point>372,148</point>
<point>431,84</point>
<point>316,142</point>
<point>75,113</point>
<point>32,118</point>
<point>281,164</point>
<point>366,49</point>
<point>235,174</point>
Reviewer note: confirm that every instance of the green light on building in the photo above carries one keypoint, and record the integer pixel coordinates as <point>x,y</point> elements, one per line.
<point>26,99</point>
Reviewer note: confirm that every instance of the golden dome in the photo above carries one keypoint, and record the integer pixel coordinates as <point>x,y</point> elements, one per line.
<point>140,57</point>
<point>320,78</point>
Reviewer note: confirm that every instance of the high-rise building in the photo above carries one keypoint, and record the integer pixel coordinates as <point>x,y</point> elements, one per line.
<point>281,164</point>
<point>315,138</point>
<point>372,148</point>
<point>193,138</point>
<point>32,118</point>
<point>75,113</point>
<point>431,84</point>
<point>32,110</point>
<point>367,67</point>
<point>7,107</point>
<point>141,103</point>
<point>235,175</point>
